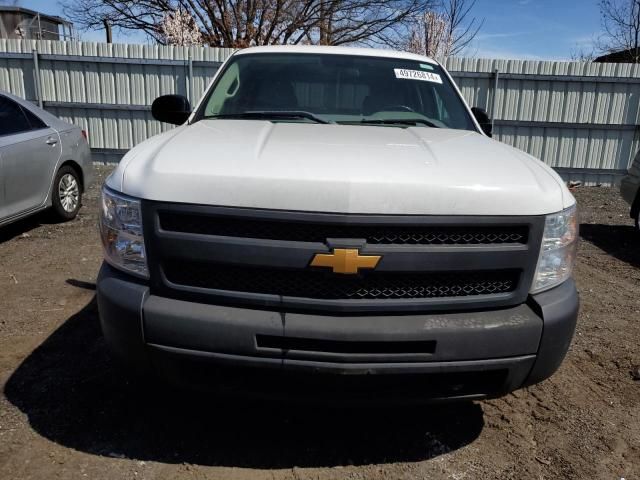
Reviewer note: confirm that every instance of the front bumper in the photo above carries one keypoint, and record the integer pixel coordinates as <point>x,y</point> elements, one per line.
<point>472,354</point>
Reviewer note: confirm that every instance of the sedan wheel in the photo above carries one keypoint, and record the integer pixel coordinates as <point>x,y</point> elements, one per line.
<point>69,193</point>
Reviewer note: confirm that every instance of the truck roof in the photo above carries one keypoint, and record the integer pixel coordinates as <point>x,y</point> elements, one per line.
<point>324,50</point>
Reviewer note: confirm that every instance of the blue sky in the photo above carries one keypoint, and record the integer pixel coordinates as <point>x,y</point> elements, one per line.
<point>535,29</point>
<point>525,29</point>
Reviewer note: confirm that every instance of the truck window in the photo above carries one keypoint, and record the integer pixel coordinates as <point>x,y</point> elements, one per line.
<point>337,88</point>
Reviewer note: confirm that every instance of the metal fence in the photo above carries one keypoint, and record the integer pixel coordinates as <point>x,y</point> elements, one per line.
<point>580,118</point>
<point>106,89</point>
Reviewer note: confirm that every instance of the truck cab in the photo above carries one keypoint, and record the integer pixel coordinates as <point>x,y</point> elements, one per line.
<point>338,219</point>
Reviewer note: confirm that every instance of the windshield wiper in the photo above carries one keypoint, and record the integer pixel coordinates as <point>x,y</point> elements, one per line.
<point>400,121</point>
<point>267,114</point>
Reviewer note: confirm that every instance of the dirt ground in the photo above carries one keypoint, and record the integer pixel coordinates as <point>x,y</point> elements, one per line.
<point>66,411</point>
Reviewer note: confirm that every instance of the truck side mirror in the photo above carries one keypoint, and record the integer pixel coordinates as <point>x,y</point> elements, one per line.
<point>174,109</point>
<point>483,119</point>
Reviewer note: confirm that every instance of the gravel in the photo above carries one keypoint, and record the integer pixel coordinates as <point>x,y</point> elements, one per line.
<point>66,411</point>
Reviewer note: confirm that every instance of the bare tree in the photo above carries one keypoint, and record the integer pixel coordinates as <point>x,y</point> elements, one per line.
<point>382,22</point>
<point>446,29</point>
<point>621,25</point>
<point>241,23</point>
<point>582,54</point>
<point>463,27</point>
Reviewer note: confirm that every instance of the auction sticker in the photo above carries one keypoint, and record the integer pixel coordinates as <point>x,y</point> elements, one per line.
<point>417,75</point>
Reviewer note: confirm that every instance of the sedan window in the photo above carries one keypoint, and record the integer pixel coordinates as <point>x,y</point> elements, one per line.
<point>33,119</point>
<point>12,118</point>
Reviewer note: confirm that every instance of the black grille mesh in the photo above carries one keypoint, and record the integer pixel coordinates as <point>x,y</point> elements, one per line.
<point>328,286</point>
<point>320,232</point>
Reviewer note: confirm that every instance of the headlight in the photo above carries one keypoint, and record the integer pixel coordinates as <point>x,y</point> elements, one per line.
<point>558,250</point>
<point>121,233</point>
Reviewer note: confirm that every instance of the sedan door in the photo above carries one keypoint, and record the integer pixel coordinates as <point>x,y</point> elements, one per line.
<point>29,152</point>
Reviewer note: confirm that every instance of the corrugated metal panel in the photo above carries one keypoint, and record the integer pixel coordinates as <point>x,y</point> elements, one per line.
<point>574,116</point>
<point>66,79</point>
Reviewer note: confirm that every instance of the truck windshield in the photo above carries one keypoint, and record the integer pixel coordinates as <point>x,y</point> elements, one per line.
<point>345,89</point>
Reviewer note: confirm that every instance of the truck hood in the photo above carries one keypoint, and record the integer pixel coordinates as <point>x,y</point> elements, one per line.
<point>338,168</point>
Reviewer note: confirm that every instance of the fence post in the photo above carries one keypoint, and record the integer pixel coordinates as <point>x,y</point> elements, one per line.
<point>36,73</point>
<point>494,100</point>
<point>190,78</point>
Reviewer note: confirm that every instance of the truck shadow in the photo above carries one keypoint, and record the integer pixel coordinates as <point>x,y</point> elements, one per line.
<point>73,395</point>
<point>619,241</point>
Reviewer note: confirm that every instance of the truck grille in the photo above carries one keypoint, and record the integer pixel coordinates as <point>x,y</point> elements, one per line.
<point>323,285</point>
<point>319,232</point>
<point>261,259</point>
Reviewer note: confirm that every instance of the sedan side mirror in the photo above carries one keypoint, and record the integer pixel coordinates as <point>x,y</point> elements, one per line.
<point>483,119</point>
<point>173,109</point>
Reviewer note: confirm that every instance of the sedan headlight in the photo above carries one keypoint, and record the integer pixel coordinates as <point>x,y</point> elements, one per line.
<point>558,250</point>
<point>121,233</point>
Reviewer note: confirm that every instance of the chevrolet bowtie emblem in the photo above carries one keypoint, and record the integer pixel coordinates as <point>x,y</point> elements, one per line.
<point>345,260</point>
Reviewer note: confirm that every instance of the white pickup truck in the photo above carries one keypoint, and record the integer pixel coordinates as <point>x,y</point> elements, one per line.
<point>335,223</point>
<point>630,190</point>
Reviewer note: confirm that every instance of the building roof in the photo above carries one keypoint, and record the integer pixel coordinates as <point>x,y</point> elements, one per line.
<point>623,56</point>
<point>27,11</point>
